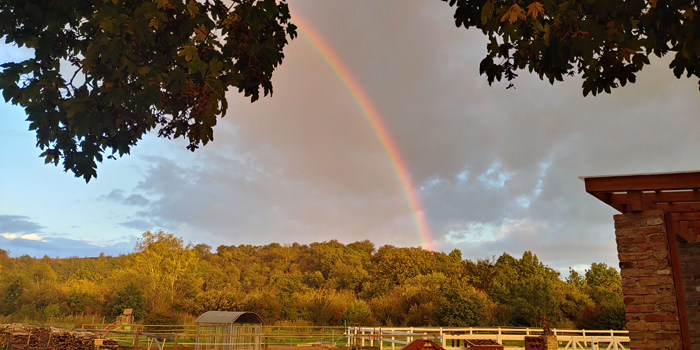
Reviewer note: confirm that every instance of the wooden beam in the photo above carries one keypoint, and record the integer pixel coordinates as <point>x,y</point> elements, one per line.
<point>686,216</point>
<point>603,196</point>
<point>649,182</point>
<point>695,231</point>
<point>683,232</point>
<point>634,201</point>
<point>671,226</point>
<point>682,229</point>
<point>679,207</point>
<point>657,197</point>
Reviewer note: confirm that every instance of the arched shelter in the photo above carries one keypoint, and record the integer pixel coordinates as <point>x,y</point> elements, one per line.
<point>658,245</point>
<point>229,330</point>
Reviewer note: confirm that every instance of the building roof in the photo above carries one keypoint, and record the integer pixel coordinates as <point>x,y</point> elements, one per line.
<point>227,317</point>
<point>420,344</point>
<point>677,194</point>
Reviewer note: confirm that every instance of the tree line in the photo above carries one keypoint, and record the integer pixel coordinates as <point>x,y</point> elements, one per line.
<point>326,283</point>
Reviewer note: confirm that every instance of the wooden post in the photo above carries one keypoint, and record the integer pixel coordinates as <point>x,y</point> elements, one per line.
<point>136,339</point>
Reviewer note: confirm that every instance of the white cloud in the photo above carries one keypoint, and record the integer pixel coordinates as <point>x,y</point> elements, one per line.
<point>9,235</point>
<point>32,237</point>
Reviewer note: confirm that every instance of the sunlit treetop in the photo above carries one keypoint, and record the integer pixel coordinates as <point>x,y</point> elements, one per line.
<point>104,73</point>
<point>605,41</point>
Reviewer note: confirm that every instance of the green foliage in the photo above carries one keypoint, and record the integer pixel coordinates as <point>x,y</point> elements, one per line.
<point>606,42</point>
<point>127,297</point>
<point>461,305</point>
<point>603,284</point>
<point>165,318</point>
<point>322,283</point>
<point>167,265</point>
<point>135,65</point>
<point>358,312</point>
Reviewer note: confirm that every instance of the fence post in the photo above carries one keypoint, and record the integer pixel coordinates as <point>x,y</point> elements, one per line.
<point>498,338</point>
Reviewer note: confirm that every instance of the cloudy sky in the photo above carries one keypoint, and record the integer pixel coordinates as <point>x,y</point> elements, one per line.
<point>495,170</point>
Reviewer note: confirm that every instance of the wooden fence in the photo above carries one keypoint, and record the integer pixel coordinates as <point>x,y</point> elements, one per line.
<point>451,338</point>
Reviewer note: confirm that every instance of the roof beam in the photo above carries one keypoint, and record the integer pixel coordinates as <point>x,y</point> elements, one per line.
<point>682,229</point>
<point>679,207</point>
<point>649,182</point>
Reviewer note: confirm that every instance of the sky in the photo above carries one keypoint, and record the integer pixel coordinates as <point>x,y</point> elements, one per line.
<point>493,170</point>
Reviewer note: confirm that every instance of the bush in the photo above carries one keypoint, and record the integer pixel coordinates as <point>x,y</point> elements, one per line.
<point>358,312</point>
<point>160,318</point>
<point>461,306</point>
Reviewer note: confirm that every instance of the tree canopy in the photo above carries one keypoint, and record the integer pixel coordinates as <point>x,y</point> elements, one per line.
<point>322,283</point>
<point>104,73</point>
<point>606,42</point>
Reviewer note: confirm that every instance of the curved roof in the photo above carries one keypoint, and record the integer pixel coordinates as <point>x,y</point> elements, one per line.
<point>228,317</point>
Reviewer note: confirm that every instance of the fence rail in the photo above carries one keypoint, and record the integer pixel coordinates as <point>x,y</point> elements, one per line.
<point>453,338</point>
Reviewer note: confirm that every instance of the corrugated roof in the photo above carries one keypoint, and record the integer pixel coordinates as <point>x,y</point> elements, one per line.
<point>227,317</point>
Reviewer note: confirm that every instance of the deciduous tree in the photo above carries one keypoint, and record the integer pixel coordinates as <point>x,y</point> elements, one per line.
<point>104,73</point>
<point>606,42</point>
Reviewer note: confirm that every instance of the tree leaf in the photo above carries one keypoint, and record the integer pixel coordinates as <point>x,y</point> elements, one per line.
<point>487,12</point>
<point>193,8</point>
<point>535,9</point>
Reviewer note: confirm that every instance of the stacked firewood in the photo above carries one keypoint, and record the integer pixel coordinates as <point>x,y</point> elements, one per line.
<point>33,338</point>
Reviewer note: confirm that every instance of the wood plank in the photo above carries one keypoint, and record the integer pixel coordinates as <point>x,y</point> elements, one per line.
<point>603,196</point>
<point>681,196</point>
<point>679,207</point>
<point>683,232</point>
<point>660,197</point>
<point>671,226</point>
<point>649,182</point>
<point>634,201</point>
<point>686,216</point>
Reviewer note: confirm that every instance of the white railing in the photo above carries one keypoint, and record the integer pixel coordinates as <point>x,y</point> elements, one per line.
<point>454,338</point>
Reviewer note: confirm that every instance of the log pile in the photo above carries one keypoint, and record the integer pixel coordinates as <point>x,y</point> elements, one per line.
<point>36,338</point>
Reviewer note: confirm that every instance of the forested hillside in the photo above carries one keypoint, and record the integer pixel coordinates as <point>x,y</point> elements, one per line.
<point>168,281</point>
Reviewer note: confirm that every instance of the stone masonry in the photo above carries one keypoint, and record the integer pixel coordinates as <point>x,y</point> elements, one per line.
<point>647,281</point>
<point>689,254</point>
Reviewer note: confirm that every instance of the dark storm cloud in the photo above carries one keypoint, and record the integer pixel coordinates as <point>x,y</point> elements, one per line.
<point>18,224</point>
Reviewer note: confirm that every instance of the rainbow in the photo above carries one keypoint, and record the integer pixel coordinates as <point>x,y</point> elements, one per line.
<point>375,122</point>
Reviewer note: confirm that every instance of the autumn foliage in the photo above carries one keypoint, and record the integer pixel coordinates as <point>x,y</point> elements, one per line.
<point>167,281</point>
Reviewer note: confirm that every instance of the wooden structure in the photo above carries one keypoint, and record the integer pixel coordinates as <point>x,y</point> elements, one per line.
<point>227,330</point>
<point>659,249</point>
<point>458,338</point>
<point>423,344</point>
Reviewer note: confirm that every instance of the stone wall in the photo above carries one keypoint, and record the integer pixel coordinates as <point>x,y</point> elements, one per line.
<point>647,282</point>
<point>689,254</point>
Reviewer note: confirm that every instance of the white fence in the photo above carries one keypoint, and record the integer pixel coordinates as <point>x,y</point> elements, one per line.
<point>453,338</point>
